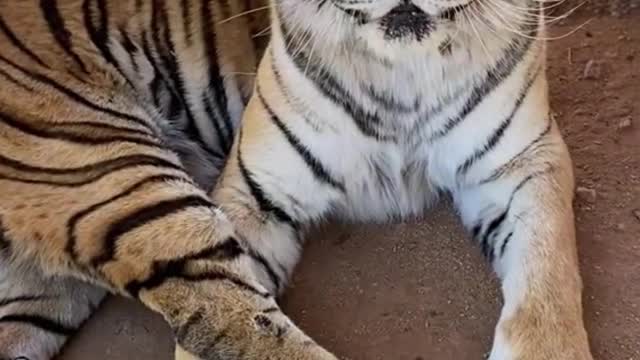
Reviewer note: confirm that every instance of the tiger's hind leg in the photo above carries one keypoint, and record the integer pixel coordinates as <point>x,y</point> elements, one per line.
<point>37,312</point>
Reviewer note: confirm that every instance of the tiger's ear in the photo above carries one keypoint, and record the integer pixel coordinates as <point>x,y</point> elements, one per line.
<point>182,354</point>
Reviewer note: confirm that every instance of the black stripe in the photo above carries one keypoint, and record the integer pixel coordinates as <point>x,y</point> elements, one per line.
<point>176,101</point>
<point>499,132</point>
<point>475,232</point>
<point>77,217</point>
<point>19,44</point>
<point>162,270</point>
<point>275,279</point>
<point>39,322</point>
<point>286,95</point>
<point>321,3</point>
<point>316,167</point>
<point>526,180</point>
<point>15,81</point>
<point>330,87</point>
<point>87,174</point>
<point>56,25</point>
<point>388,102</point>
<point>221,275</point>
<point>360,17</point>
<point>446,47</point>
<point>51,133</point>
<point>99,35</point>
<point>496,223</point>
<point>171,64</point>
<point>5,243</point>
<point>101,166</point>
<point>185,6</point>
<point>160,17</point>
<point>91,126</point>
<point>77,98</point>
<point>225,143</point>
<point>154,89</point>
<point>452,12</point>
<point>265,204</point>
<point>24,298</point>
<point>213,275</point>
<point>142,217</point>
<point>158,80</point>
<point>495,76</point>
<point>487,248</point>
<point>186,329</point>
<point>505,242</point>
<point>501,170</point>
<point>130,48</point>
<point>155,31</point>
<point>216,83</point>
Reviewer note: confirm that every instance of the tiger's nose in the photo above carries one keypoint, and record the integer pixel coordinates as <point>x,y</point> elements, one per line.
<point>405,20</point>
<point>406,8</point>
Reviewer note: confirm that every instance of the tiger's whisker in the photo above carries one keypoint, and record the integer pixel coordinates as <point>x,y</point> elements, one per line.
<point>244,13</point>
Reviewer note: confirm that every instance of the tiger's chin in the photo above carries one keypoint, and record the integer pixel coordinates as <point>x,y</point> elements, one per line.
<point>408,31</point>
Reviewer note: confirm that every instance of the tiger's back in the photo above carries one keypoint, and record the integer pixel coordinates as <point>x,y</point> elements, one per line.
<point>188,66</point>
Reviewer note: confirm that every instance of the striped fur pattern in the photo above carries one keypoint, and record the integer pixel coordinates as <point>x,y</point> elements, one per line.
<point>376,107</point>
<point>115,120</point>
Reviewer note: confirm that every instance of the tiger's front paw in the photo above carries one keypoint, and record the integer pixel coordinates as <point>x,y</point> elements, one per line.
<point>275,354</point>
<point>305,350</point>
<point>228,317</point>
<point>248,335</point>
<point>539,336</point>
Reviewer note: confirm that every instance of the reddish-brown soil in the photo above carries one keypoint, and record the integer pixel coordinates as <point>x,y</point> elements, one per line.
<point>420,290</point>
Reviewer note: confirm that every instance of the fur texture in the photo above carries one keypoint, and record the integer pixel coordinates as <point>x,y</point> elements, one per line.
<point>112,135</point>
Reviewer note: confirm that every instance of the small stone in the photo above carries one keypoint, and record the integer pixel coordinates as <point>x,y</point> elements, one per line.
<point>587,194</point>
<point>592,70</point>
<point>636,214</point>
<point>625,123</point>
<point>621,227</point>
<point>580,112</point>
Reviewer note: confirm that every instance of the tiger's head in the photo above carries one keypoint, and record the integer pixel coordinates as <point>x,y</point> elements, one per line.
<point>394,29</point>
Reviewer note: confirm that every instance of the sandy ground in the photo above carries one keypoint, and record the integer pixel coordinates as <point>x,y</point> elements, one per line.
<point>420,290</point>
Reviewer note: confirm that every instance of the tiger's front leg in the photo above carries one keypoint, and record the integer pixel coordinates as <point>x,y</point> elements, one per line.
<point>271,190</point>
<point>521,215</point>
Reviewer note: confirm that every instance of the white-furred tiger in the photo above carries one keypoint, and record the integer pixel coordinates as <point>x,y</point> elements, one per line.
<point>362,108</point>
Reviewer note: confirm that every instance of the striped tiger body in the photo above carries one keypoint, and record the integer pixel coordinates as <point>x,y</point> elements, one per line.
<point>362,109</point>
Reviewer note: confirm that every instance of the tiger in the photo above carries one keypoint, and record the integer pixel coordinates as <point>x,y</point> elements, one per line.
<point>142,153</point>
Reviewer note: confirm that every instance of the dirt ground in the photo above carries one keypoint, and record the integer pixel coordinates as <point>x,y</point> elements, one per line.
<point>420,290</point>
